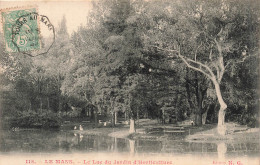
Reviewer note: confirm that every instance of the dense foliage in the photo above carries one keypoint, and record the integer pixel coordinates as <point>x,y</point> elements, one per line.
<point>141,59</point>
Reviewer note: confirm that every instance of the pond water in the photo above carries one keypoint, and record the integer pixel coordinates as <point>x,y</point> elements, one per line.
<point>47,141</point>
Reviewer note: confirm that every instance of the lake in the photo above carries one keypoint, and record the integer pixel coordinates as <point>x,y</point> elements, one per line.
<point>68,142</point>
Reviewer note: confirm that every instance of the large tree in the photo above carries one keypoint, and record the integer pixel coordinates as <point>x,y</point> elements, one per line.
<point>207,36</point>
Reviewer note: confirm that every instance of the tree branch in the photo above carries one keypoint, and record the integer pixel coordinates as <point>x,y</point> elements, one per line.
<point>192,67</point>
<point>227,64</point>
<point>210,54</point>
<point>211,75</point>
<point>195,58</point>
<point>240,61</point>
<point>168,50</point>
<point>203,65</point>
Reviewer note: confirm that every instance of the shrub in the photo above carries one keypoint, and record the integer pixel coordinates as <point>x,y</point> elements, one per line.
<point>31,119</point>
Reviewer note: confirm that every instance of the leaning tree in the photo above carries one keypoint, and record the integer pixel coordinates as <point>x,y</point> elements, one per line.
<point>208,36</point>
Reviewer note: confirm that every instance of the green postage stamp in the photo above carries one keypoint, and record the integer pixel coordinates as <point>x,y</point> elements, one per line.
<point>21,29</point>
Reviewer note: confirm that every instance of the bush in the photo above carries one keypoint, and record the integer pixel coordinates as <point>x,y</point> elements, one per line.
<point>33,120</point>
<point>250,121</point>
<point>73,114</point>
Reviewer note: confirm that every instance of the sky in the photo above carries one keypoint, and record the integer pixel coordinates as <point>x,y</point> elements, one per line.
<point>76,12</point>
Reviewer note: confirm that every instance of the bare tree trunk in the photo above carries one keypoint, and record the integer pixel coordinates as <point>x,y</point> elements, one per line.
<point>113,118</point>
<point>198,113</point>
<point>200,93</point>
<point>131,116</point>
<point>95,117</point>
<point>222,111</point>
<point>48,103</point>
<point>48,99</point>
<point>204,116</point>
<point>137,116</point>
<point>116,117</point>
<point>163,116</point>
<point>198,117</point>
<point>41,104</point>
<point>59,102</point>
<point>132,125</point>
<point>188,92</point>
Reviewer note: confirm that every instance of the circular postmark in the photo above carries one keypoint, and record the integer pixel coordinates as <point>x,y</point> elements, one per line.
<point>33,34</point>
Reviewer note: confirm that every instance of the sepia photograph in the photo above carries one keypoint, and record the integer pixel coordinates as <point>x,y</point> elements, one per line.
<point>129,82</point>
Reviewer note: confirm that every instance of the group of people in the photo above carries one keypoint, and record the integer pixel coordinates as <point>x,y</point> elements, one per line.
<point>15,129</point>
<point>80,128</point>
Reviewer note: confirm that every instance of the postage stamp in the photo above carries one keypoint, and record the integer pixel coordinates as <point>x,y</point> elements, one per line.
<point>21,29</point>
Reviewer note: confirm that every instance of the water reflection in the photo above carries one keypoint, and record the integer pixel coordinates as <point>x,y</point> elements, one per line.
<point>222,149</point>
<point>62,141</point>
<point>132,146</point>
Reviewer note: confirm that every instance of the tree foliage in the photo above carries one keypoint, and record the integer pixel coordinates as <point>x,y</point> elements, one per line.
<point>143,58</point>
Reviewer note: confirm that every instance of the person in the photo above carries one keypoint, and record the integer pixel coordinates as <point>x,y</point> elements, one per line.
<point>75,127</point>
<point>80,128</point>
<point>192,123</point>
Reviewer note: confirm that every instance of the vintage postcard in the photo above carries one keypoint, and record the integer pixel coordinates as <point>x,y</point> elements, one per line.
<point>129,82</point>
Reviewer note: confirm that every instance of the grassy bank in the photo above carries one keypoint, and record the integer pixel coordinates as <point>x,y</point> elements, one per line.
<point>206,132</point>
<point>141,133</point>
<point>235,132</point>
